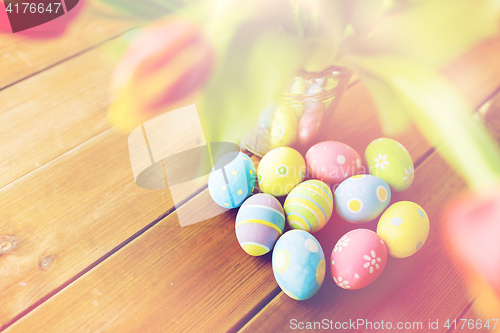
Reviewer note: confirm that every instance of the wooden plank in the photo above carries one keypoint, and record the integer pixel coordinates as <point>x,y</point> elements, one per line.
<point>50,113</point>
<point>213,289</point>
<point>22,57</point>
<point>355,123</point>
<point>426,286</point>
<point>123,276</point>
<point>198,307</point>
<point>67,191</point>
<point>475,74</point>
<point>415,289</point>
<point>67,215</point>
<point>471,316</point>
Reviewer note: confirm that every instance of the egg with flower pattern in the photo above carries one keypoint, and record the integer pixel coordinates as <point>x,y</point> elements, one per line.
<point>298,264</point>
<point>390,161</point>
<point>362,198</point>
<point>232,179</point>
<point>358,259</point>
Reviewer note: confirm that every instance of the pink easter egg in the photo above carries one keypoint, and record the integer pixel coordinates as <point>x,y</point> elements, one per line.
<point>332,162</point>
<point>309,123</point>
<point>358,259</point>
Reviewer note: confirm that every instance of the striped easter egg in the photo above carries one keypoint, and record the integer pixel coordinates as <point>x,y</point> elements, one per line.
<point>309,206</point>
<point>259,223</point>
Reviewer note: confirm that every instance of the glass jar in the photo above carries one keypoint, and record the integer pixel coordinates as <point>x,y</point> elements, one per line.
<point>297,119</point>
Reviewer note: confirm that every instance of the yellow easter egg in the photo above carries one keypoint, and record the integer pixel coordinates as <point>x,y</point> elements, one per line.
<point>404,227</point>
<point>283,126</point>
<point>309,206</point>
<point>280,171</point>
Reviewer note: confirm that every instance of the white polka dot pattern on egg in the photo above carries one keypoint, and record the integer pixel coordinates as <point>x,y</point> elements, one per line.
<point>340,159</point>
<point>355,205</point>
<point>282,170</point>
<point>396,221</point>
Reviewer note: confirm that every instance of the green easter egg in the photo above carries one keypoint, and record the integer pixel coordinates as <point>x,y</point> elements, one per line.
<point>390,161</point>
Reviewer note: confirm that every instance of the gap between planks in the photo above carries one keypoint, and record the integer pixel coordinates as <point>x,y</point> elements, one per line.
<point>428,154</point>
<point>129,239</point>
<point>255,310</point>
<point>95,263</point>
<point>95,46</point>
<point>104,257</point>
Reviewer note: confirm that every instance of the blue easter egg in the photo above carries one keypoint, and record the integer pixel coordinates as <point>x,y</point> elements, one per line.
<point>362,198</point>
<point>298,264</point>
<point>232,179</point>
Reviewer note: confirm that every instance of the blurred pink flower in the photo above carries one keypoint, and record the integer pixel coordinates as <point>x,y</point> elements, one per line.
<point>163,69</point>
<point>472,231</point>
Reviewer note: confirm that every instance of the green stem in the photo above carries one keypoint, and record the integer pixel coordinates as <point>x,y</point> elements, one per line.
<point>440,114</point>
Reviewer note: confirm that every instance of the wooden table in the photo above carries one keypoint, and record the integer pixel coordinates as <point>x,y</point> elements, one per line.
<point>82,248</point>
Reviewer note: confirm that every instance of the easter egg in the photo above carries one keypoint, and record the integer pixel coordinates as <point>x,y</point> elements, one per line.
<point>404,227</point>
<point>259,223</point>
<point>358,259</point>
<point>310,122</point>
<point>332,161</point>
<point>298,264</point>
<point>280,170</point>
<point>232,179</point>
<point>309,206</point>
<point>362,198</point>
<point>283,126</point>
<point>389,160</point>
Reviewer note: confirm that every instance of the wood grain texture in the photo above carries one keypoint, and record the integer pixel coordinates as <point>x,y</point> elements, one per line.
<point>50,113</point>
<point>215,284</point>
<point>475,74</point>
<point>195,306</point>
<point>422,287</point>
<point>469,314</point>
<point>67,191</point>
<point>68,216</point>
<point>426,286</point>
<point>23,57</point>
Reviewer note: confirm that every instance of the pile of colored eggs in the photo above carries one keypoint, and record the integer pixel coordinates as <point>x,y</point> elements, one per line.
<point>298,260</point>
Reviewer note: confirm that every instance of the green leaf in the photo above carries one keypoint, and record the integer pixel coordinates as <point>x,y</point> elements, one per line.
<point>432,32</point>
<point>392,108</point>
<point>147,9</point>
<point>441,114</point>
<point>252,71</point>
